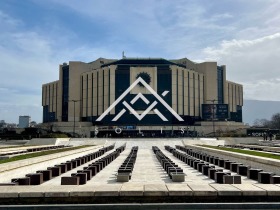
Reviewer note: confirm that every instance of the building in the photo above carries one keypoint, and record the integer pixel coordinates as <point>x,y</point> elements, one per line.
<point>24,121</point>
<point>174,93</point>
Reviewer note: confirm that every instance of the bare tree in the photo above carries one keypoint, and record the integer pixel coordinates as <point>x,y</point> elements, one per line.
<point>262,123</point>
<point>274,123</point>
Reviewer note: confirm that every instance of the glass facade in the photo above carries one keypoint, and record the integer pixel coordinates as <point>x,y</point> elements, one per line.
<point>65,92</point>
<point>48,116</point>
<point>220,80</point>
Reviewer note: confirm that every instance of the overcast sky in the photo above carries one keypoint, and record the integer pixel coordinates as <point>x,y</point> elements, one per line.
<point>37,36</point>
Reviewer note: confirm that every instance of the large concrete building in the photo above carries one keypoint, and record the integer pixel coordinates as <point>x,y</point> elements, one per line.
<point>141,92</point>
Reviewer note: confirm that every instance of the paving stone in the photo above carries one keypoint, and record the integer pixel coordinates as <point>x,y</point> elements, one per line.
<point>82,191</point>
<point>250,190</point>
<point>179,190</point>
<point>272,189</point>
<point>58,191</point>
<point>155,190</point>
<point>31,192</point>
<point>226,190</point>
<point>202,190</point>
<point>132,189</point>
<point>9,192</point>
<point>107,190</point>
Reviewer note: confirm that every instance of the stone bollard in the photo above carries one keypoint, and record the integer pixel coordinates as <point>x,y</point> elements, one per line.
<point>275,179</point>
<point>231,179</point>
<point>47,174</point>
<point>227,164</point>
<point>205,169</point>
<point>200,165</point>
<point>243,170</point>
<point>219,176</point>
<point>212,171</point>
<point>56,170</point>
<point>221,162</point>
<point>253,173</point>
<point>83,177</point>
<point>72,180</point>
<point>35,178</point>
<point>233,166</point>
<point>22,181</point>
<point>264,177</point>
<point>88,172</point>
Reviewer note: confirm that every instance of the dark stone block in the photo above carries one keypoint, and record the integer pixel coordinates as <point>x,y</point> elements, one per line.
<point>216,161</point>
<point>205,169</point>
<point>212,171</point>
<point>195,164</point>
<point>221,162</point>
<point>253,173</point>
<point>62,167</point>
<point>72,180</point>
<point>233,166</point>
<point>174,171</point>
<point>56,170</point>
<point>242,170</point>
<point>35,178</point>
<point>47,174</point>
<point>227,164</point>
<point>211,159</point>
<point>22,181</point>
<point>88,172</point>
<point>9,184</point>
<point>200,165</point>
<point>74,163</point>
<point>228,179</point>
<point>275,179</point>
<point>83,177</point>
<point>68,165</point>
<point>219,176</point>
<point>264,177</point>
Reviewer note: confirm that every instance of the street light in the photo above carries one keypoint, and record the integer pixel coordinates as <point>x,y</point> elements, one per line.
<point>74,116</point>
<point>213,103</point>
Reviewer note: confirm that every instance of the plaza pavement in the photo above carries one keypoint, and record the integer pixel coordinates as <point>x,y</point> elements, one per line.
<point>149,181</point>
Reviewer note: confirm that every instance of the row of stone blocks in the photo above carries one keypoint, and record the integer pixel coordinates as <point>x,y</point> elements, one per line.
<point>244,170</point>
<point>245,147</point>
<point>82,176</point>
<point>258,148</point>
<point>44,175</point>
<point>37,149</point>
<point>174,171</point>
<point>126,168</point>
<point>206,169</point>
<point>33,150</point>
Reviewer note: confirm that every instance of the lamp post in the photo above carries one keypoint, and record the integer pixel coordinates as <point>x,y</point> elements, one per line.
<point>213,114</point>
<point>74,101</point>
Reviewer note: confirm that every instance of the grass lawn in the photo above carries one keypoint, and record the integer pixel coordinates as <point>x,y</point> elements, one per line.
<point>38,154</point>
<point>247,152</point>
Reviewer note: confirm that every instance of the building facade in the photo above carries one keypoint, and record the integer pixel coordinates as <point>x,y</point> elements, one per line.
<point>97,92</point>
<point>24,121</point>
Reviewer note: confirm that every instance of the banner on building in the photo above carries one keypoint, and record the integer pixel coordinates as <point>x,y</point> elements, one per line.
<point>215,111</point>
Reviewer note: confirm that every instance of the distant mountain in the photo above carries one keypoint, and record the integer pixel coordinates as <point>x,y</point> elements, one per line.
<point>254,109</point>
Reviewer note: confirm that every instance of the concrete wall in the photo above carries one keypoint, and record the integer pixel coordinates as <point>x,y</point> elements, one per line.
<point>246,140</point>
<point>41,141</point>
<point>212,142</point>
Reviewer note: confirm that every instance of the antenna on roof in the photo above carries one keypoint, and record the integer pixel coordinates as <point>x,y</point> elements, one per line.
<point>123,56</point>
